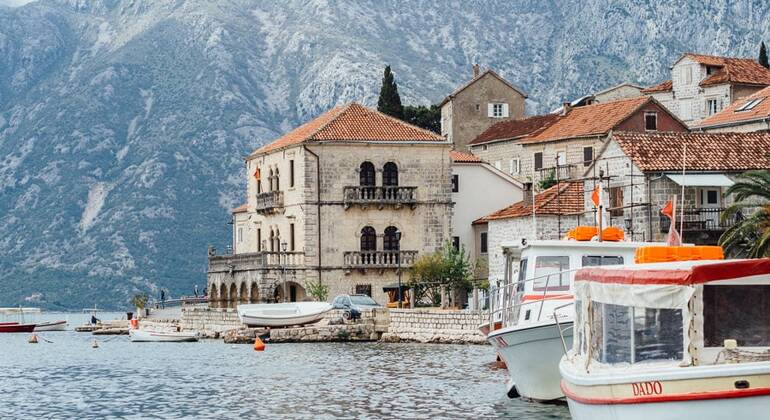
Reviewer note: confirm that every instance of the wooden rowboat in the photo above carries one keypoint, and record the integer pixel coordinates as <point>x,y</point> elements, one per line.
<point>51,326</point>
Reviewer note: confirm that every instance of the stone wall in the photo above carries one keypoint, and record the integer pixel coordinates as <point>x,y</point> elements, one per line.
<point>209,321</point>
<point>435,326</point>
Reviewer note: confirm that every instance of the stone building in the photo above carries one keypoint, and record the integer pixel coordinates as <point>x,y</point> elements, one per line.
<point>702,85</point>
<point>562,145</point>
<point>622,91</point>
<point>476,105</point>
<point>477,190</point>
<point>751,113</point>
<point>557,210</point>
<point>343,200</point>
<point>640,172</point>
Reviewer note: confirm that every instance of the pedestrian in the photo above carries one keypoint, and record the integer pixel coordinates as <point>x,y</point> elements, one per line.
<point>196,290</point>
<point>162,298</point>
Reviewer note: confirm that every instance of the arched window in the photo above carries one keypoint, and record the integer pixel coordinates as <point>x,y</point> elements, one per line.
<point>272,241</point>
<point>390,175</point>
<point>368,239</point>
<point>270,180</point>
<point>277,245</point>
<point>367,174</point>
<point>391,240</point>
<point>277,180</point>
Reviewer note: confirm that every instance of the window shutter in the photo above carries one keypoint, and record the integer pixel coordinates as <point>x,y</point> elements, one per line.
<point>490,110</point>
<point>538,161</point>
<point>505,110</point>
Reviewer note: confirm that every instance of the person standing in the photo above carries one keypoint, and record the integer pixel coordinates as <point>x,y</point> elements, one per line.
<point>163,298</point>
<point>195,289</point>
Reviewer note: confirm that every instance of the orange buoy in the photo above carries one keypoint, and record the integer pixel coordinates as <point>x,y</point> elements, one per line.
<point>259,345</point>
<point>135,324</point>
<point>33,339</point>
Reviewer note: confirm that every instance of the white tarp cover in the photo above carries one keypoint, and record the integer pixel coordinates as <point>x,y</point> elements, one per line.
<point>701,180</point>
<point>662,296</point>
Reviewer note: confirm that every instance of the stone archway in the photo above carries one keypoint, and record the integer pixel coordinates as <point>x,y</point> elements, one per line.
<point>222,301</point>
<point>254,295</point>
<point>213,296</point>
<point>295,292</point>
<point>232,300</point>
<point>243,296</point>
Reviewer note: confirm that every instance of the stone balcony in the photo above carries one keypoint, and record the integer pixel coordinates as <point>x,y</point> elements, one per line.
<point>269,202</point>
<point>380,196</point>
<point>378,259</point>
<point>255,261</point>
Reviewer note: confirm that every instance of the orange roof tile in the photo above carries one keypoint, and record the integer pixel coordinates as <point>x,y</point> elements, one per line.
<point>663,86</point>
<point>462,157</point>
<point>352,122</point>
<point>731,115</point>
<point>241,209</point>
<point>563,199</point>
<point>589,120</point>
<point>733,70</point>
<point>728,152</point>
<point>511,129</point>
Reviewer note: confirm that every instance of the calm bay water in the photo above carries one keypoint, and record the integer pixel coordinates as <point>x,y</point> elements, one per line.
<point>69,379</point>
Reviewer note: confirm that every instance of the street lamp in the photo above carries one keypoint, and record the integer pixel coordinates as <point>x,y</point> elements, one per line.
<point>284,245</point>
<point>397,235</point>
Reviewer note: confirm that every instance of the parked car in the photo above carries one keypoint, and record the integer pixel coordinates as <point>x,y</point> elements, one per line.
<point>353,305</point>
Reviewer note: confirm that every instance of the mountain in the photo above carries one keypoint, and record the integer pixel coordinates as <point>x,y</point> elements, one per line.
<point>124,123</point>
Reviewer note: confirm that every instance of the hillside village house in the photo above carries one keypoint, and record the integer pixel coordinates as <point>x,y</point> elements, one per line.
<point>345,199</point>
<point>563,144</point>
<point>622,91</point>
<point>642,171</point>
<point>751,113</point>
<point>702,85</point>
<point>476,105</point>
<point>477,189</point>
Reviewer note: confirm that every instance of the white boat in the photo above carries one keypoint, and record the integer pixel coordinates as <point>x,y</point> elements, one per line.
<point>538,287</point>
<point>282,314</point>
<point>51,326</point>
<point>137,335</point>
<point>686,339</point>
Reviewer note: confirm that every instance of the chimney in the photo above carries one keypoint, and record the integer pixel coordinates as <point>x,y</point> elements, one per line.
<point>476,70</point>
<point>566,108</point>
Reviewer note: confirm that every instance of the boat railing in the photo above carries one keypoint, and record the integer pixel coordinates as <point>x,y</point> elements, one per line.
<point>558,325</point>
<point>505,304</point>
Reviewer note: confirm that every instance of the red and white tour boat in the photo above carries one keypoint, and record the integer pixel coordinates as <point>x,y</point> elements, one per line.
<point>671,340</point>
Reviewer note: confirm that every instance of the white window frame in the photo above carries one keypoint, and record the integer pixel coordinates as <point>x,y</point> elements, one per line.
<point>713,106</point>
<point>654,114</point>
<point>497,110</point>
<point>498,165</point>
<point>514,166</point>
<point>240,234</point>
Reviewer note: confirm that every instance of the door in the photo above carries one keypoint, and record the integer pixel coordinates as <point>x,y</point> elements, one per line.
<point>710,206</point>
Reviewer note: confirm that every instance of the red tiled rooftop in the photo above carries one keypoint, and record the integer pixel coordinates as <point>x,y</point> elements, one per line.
<point>462,157</point>
<point>565,198</point>
<point>241,209</point>
<point>731,115</point>
<point>352,122</point>
<point>727,152</point>
<point>663,86</point>
<point>589,120</point>
<point>511,129</point>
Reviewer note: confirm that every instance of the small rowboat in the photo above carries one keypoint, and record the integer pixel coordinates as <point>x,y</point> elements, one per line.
<point>282,314</point>
<point>14,327</point>
<point>162,336</point>
<point>51,326</point>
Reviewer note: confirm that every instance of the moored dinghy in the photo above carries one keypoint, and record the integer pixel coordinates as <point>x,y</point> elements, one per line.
<point>137,335</point>
<point>51,326</point>
<point>282,314</point>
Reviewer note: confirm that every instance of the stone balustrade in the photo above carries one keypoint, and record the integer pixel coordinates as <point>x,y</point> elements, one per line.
<point>269,202</point>
<point>379,259</point>
<point>391,195</point>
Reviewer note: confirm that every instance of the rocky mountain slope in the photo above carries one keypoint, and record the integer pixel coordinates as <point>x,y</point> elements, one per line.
<point>123,123</point>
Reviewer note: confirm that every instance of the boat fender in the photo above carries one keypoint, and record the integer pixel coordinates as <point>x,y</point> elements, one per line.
<point>259,345</point>
<point>512,391</point>
<point>33,339</point>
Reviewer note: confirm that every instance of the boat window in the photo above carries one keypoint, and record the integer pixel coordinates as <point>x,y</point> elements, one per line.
<point>598,260</point>
<point>617,334</point>
<point>522,275</point>
<point>548,269</point>
<point>657,334</point>
<point>578,327</point>
<point>736,312</point>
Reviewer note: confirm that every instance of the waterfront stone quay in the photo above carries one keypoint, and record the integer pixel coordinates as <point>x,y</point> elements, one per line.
<point>422,325</point>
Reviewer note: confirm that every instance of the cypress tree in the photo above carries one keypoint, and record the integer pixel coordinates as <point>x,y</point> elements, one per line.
<point>390,102</point>
<point>763,56</point>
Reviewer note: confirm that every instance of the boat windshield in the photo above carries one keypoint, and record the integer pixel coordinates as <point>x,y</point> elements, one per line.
<point>549,273</point>
<point>522,275</point>
<point>625,334</point>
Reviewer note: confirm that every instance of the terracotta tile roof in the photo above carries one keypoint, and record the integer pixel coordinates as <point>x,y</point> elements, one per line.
<point>241,209</point>
<point>589,120</point>
<point>479,77</point>
<point>739,71</point>
<point>729,152</point>
<point>564,199</point>
<point>730,115</point>
<point>663,86</point>
<point>512,129</point>
<point>352,122</point>
<point>462,157</point>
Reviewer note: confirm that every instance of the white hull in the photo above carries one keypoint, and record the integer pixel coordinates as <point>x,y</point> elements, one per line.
<point>159,336</point>
<point>282,314</point>
<point>718,409</point>
<point>51,326</point>
<point>532,355</point>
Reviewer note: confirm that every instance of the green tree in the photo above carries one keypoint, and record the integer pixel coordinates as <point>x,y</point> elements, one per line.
<point>448,267</point>
<point>317,290</point>
<point>139,300</point>
<point>548,181</point>
<point>425,117</point>
<point>390,102</point>
<point>749,237</point>
<point>763,56</point>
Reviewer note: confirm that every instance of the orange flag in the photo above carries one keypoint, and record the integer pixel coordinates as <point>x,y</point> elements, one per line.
<point>256,174</point>
<point>668,210</point>
<point>595,197</point>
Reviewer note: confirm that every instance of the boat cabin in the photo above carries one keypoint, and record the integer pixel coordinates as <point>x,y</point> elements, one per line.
<point>684,313</point>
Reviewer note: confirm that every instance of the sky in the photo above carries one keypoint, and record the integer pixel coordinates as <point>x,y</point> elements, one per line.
<point>14,3</point>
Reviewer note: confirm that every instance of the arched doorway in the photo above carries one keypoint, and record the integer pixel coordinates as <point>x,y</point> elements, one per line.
<point>367,180</point>
<point>368,245</point>
<point>244,294</point>
<point>391,242</point>
<point>254,295</point>
<point>294,292</point>
<point>222,296</point>
<point>233,299</point>
<point>213,296</point>
<point>390,181</point>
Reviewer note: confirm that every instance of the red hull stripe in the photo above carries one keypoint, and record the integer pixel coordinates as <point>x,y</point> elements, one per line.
<point>695,396</point>
<point>695,275</point>
<point>526,298</point>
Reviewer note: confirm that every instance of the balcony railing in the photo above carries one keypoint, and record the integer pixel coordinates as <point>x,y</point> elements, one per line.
<point>365,195</point>
<point>270,201</point>
<point>561,172</point>
<point>256,261</point>
<point>379,259</point>
<point>700,220</point>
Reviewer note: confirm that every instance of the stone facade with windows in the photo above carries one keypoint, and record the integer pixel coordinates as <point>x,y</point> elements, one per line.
<point>476,105</point>
<point>369,194</point>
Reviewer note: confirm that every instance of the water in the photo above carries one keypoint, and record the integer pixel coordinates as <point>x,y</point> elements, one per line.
<point>69,379</point>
